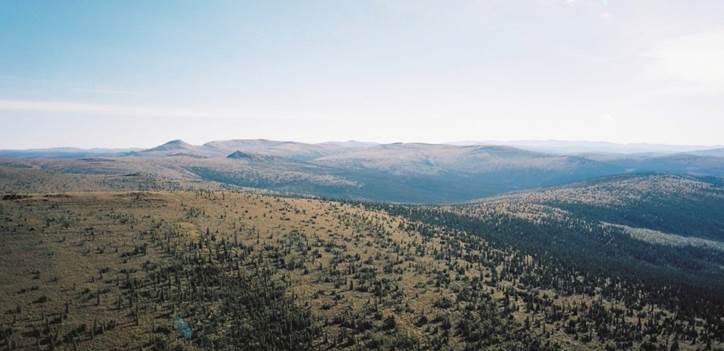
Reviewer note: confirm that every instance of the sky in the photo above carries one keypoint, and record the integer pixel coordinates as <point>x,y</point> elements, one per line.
<point>139,73</point>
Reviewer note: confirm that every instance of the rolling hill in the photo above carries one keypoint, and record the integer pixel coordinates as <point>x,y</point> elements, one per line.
<point>398,172</point>
<point>667,228</point>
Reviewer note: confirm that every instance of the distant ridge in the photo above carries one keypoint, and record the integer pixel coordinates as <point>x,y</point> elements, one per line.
<point>172,145</point>
<point>396,172</point>
<point>65,152</point>
<point>177,148</point>
<point>584,147</point>
<point>307,151</point>
<point>719,152</point>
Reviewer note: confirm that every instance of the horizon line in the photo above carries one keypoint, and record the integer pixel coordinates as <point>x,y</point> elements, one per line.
<point>486,142</point>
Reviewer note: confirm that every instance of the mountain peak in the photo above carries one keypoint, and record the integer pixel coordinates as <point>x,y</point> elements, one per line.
<point>175,147</point>
<point>176,144</point>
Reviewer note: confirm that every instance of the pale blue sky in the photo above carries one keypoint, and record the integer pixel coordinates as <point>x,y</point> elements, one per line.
<point>138,73</point>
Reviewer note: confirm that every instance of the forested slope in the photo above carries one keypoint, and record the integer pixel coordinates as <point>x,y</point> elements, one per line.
<point>237,270</point>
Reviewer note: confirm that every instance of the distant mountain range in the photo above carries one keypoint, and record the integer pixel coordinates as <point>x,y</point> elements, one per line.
<point>310,151</point>
<point>598,147</point>
<point>397,172</point>
<point>65,152</point>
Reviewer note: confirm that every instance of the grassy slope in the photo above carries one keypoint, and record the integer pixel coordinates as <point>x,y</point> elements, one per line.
<point>349,265</point>
<point>575,222</point>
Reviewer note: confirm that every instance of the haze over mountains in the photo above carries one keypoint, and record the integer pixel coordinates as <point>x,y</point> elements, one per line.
<point>581,251</point>
<point>586,147</point>
<point>398,172</point>
<point>298,149</point>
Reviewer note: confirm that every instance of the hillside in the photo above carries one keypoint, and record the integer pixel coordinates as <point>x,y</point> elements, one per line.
<point>229,270</point>
<point>666,228</point>
<point>685,206</point>
<point>258,172</point>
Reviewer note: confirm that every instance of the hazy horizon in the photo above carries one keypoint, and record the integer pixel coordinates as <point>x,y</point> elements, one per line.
<point>136,74</point>
<point>362,175</point>
<point>513,143</point>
